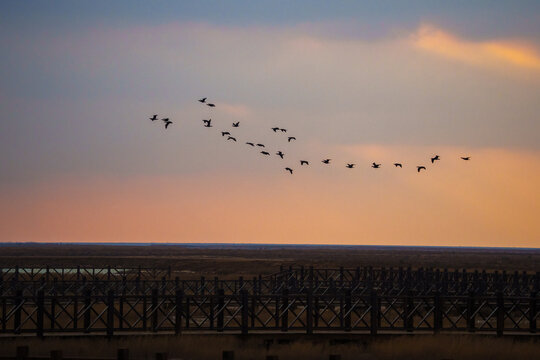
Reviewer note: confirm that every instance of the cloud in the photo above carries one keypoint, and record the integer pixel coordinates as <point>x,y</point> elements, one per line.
<point>491,53</point>
<point>236,110</point>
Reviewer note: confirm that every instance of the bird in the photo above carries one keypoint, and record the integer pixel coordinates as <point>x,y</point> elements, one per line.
<point>283,130</point>
<point>291,138</point>
<point>231,138</point>
<point>304,162</point>
<point>280,154</point>
<point>420,168</point>
<point>466,158</point>
<point>167,123</point>
<point>211,105</point>
<point>326,161</point>
<point>375,166</point>
<point>165,119</point>
<point>236,124</point>
<point>260,145</point>
<point>398,165</point>
<point>208,123</point>
<point>154,117</point>
<point>275,129</point>
<point>350,166</point>
<point>250,143</point>
<point>265,153</point>
<point>436,157</point>
<point>203,100</point>
<point>223,133</point>
<point>289,170</point>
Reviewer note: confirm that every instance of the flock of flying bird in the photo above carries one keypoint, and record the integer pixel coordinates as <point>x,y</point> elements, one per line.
<point>208,123</point>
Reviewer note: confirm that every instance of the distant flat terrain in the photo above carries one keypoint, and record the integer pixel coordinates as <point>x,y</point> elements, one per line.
<point>247,260</point>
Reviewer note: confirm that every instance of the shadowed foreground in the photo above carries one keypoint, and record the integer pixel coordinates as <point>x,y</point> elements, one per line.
<point>286,347</point>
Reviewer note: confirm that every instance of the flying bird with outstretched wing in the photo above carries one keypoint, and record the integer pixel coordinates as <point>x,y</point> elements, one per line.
<point>420,168</point>
<point>154,117</point>
<point>291,138</point>
<point>260,145</point>
<point>398,165</point>
<point>231,138</point>
<point>375,165</point>
<point>289,170</point>
<point>466,158</point>
<point>223,133</point>
<point>203,100</point>
<point>265,153</point>
<point>167,123</point>
<point>280,154</point>
<point>250,143</point>
<point>326,161</point>
<point>236,124</point>
<point>211,105</point>
<point>304,162</point>
<point>275,129</point>
<point>350,166</point>
<point>435,158</point>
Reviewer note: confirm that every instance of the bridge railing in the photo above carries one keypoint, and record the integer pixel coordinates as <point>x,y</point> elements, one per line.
<point>338,311</point>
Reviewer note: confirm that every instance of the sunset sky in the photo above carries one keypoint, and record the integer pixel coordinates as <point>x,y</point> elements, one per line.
<point>357,82</point>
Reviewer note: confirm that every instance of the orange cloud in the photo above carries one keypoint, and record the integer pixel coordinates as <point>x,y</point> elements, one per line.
<point>501,53</point>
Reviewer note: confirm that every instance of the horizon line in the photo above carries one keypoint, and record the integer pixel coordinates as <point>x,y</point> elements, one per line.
<point>7,243</point>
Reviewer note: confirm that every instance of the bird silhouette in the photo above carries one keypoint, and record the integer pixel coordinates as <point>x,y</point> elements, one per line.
<point>250,143</point>
<point>291,138</point>
<point>154,117</point>
<point>280,154</point>
<point>375,166</point>
<point>231,138</point>
<point>260,145</point>
<point>275,129</point>
<point>289,170</point>
<point>350,166</point>
<point>283,130</point>
<point>304,162</point>
<point>203,100</point>
<point>236,124</point>
<point>165,119</point>
<point>265,153</point>
<point>223,133</point>
<point>433,159</point>
<point>211,105</point>
<point>420,168</point>
<point>398,165</point>
<point>208,123</point>
<point>326,161</point>
<point>167,123</point>
<point>466,158</point>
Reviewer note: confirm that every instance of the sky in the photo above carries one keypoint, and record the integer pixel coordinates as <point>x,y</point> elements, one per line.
<point>354,81</point>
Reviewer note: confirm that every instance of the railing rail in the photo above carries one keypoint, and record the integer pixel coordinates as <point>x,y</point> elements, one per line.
<point>338,311</point>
